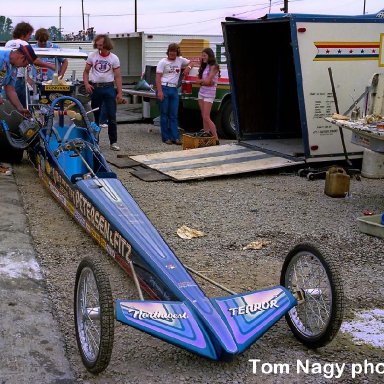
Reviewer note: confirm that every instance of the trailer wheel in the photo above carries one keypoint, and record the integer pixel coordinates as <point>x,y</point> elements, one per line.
<point>316,319</point>
<point>94,315</point>
<point>228,120</point>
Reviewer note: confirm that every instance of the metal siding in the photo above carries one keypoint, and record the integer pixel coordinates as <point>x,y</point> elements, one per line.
<point>77,65</point>
<point>155,48</point>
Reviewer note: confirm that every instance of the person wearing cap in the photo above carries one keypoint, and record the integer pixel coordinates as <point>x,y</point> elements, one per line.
<point>42,37</point>
<point>168,72</point>
<point>21,35</point>
<point>10,60</point>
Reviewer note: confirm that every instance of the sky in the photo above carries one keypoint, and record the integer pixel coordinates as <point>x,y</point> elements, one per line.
<point>170,16</point>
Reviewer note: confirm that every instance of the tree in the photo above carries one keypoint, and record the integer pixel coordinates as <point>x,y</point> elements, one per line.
<point>54,33</point>
<point>5,28</point>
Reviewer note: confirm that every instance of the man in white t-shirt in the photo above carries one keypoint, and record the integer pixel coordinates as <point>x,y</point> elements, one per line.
<point>168,72</point>
<point>21,35</point>
<point>105,67</point>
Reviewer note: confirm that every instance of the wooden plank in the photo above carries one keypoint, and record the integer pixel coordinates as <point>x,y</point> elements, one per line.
<point>209,161</point>
<point>214,161</point>
<point>231,169</point>
<point>185,154</point>
<point>148,174</point>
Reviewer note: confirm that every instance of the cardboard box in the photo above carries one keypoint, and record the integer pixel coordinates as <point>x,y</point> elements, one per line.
<point>191,142</point>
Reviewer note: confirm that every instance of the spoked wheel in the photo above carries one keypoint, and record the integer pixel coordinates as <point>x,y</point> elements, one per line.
<point>310,275</point>
<point>94,315</point>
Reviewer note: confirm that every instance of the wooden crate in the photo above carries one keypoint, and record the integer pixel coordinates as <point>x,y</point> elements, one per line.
<point>190,142</point>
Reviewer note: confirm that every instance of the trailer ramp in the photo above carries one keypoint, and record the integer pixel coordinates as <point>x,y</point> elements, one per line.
<point>214,161</point>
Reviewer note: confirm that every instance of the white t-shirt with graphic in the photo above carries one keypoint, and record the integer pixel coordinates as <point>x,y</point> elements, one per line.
<point>171,69</point>
<point>102,67</point>
<point>14,44</point>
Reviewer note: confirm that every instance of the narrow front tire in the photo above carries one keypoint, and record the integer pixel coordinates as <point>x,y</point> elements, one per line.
<point>311,275</point>
<point>94,315</point>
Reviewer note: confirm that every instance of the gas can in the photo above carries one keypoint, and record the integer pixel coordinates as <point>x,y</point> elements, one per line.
<point>336,182</point>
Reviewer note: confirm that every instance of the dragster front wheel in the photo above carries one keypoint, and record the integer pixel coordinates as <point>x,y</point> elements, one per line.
<point>94,315</point>
<point>312,278</point>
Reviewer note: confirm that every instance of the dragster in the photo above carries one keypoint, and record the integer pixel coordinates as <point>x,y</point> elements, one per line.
<point>171,306</point>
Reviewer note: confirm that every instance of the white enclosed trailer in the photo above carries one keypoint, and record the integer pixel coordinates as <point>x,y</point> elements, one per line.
<point>281,90</point>
<point>139,49</point>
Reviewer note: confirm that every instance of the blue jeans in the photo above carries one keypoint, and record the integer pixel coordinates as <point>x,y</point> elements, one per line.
<point>104,98</point>
<point>103,115</point>
<point>20,90</point>
<point>169,108</point>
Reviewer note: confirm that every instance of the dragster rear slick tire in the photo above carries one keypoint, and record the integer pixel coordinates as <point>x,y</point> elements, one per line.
<point>94,315</point>
<point>316,320</point>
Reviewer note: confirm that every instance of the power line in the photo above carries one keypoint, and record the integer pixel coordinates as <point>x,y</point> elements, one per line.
<point>151,13</point>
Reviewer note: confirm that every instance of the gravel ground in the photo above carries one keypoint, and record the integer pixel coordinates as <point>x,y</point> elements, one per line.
<point>233,211</point>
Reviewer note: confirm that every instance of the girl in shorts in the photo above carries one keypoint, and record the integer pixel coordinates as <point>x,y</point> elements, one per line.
<point>209,72</point>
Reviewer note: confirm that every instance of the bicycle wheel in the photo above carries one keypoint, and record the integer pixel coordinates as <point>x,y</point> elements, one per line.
<point>317,318</point>
<point>94,315</point>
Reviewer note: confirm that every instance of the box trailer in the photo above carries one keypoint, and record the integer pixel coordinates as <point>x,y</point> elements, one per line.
<point>139,49</point>
<point>139,54</point>
<point>280,79</point>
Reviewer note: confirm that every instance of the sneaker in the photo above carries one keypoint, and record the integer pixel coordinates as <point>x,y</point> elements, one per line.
<point>177,142</point>
<point>114,147</point>
<point>168,142</point>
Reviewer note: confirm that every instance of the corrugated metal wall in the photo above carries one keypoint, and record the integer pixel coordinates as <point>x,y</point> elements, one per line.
<point>155,47</point>
<point>76,64</point>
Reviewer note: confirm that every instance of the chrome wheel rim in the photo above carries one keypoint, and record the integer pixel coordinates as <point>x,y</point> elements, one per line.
<point>307,274</point>
<point>88,315</point>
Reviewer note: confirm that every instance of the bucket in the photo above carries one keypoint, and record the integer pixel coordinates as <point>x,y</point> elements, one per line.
<point>336,182</point>
<point>373,164</point>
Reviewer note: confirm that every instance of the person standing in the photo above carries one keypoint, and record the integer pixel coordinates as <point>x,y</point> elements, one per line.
<point>21,35</point>
<point>105,67</point>
<point>42,38</point>
<point>168,71</point>
<point>209,72</point>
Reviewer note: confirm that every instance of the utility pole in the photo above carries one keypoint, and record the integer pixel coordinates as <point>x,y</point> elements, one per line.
<point>285,7</point>
<point>88,14</point>
<point>82,13</point>
<point>60,22</point>
<point>135,15</point>
<point>364,8</point>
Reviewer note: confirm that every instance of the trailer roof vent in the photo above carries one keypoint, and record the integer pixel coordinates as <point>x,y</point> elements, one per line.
<point>301,29</point>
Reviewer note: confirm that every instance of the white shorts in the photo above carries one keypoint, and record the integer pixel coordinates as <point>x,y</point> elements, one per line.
<point>207,99</point>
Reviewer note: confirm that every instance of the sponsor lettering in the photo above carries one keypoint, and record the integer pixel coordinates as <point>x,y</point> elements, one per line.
<point>57,88</point>
<point>139,314</point>
<point>252,308</point>
<point>88,216</point>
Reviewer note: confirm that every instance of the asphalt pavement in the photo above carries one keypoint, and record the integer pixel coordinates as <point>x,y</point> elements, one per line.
<point>31,345</point>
